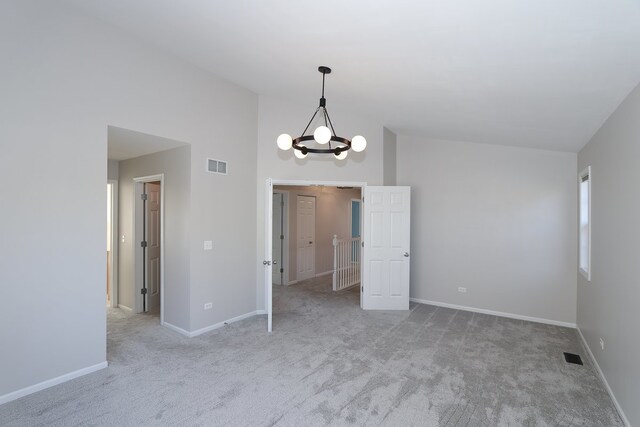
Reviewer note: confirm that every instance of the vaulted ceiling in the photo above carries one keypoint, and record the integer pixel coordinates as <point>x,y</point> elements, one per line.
<point>535,73</point>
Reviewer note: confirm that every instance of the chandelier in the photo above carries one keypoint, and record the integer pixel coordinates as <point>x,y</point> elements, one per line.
<point>324,135</point>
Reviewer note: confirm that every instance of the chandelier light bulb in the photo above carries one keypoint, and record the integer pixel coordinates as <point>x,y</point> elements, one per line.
<point>299,154</point>
<point>322,135</point>
<point>358,143</point>
<point>341,156</point>
<point>284,141</point>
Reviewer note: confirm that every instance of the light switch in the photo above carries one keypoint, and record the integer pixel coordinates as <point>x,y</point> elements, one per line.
<point>208,245</point>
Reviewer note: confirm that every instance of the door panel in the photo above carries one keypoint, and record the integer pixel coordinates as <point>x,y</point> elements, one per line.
<point>153,246</point>
<point>386,236</point>
<point>306,237</point>
<point>277,233</point>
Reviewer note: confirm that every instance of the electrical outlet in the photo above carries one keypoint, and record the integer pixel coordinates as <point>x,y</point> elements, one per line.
<point>461,289</point>
<point>208,245</point>
<point>601,344</point>
<point>208,306</point>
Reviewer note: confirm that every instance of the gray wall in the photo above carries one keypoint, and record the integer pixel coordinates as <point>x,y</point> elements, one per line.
<point>333,216</point>
<point>608,305</point>
<point>390,153</point>
<point>113,169</point>
<point>65,95</point>
<point>500,221</point>
<point>176,166</point>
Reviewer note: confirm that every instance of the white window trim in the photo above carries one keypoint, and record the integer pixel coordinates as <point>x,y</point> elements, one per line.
<point>586,273</point>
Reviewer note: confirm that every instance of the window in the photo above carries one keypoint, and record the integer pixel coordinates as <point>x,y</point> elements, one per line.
<point>585,222</point>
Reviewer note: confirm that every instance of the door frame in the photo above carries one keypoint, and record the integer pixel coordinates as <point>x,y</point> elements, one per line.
<point>285,242</point>
<point>115,243</point>
<point>268,220</point>
<point>137,238</point>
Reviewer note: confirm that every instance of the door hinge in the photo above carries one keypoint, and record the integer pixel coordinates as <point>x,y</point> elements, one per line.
<point>143,244</point>
<point>143,291</point>
<point>363,244</point>
<point>282,204</point>
<point>282,270</point>
<point>143,196</point>
<point>282,237</point>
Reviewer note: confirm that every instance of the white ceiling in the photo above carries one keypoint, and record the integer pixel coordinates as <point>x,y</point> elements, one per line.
<point>536,73</point>
<point>123,144</point>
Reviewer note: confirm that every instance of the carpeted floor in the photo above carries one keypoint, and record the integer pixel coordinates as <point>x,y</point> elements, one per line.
<point>330,363</point>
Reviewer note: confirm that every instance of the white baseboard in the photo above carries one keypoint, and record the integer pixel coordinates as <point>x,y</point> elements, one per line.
<point>261,312</point>
<point>50,383</point>
<point>176,329</point>
<point>221,324</point>
<point>495,313</point>
<point>125,308</point>
<point>604,380</point>
<point>325,273</point>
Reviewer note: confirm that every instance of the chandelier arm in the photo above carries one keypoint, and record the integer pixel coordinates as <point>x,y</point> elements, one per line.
<point>310,121</point>
<point>330,123</point>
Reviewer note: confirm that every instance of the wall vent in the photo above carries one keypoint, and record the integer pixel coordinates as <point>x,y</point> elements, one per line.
<point>217,166</point>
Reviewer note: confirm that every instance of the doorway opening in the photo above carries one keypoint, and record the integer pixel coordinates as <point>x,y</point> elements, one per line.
<point>306,219</point>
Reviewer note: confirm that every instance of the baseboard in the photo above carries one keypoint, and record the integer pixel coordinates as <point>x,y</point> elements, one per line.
<point>221,324</point>
<point>50,383</point>
<point>604,380</point>
<point>176,329</point>
<point>258,312</point>
<point>495,313</point>
<point>125,308</point>
<point>293,282</point>
<point>325,273</point>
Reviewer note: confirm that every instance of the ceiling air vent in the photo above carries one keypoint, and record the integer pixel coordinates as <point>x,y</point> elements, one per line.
<point>217,166</point>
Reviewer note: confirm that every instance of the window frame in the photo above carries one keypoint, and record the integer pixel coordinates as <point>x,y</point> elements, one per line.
<point>586,172</point>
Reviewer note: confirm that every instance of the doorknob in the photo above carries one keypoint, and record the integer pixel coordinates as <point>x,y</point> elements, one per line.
<point>311,243</point>
<point>406,254</point>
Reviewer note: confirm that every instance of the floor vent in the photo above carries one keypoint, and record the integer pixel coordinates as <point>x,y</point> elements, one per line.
<point>573,358</point>
<point>217,166</point>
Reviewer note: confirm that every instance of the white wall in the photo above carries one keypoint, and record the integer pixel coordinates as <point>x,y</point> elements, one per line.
<point>390,160</point>
<point>277,116</point>
<point>497,220</point>
<point>333,217</point>
<point>68,77</point>
<point>608,305</point>
<point>175,164</point>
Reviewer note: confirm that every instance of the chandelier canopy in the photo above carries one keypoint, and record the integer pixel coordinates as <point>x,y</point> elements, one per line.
<point>323,135</point>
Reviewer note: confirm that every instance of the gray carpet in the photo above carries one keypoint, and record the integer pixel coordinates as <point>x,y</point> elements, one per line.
<point>330,363</point>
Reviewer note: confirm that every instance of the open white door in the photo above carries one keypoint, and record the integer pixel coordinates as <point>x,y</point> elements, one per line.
<point>268,257</point>
<point>385,257</point>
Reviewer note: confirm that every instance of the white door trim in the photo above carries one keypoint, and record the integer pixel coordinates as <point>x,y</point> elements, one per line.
<point>270,182</point>
<point>115,243</point>
<point>137,233</point>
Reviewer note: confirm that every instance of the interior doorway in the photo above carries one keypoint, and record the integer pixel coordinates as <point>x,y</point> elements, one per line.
<point>318,212</point>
